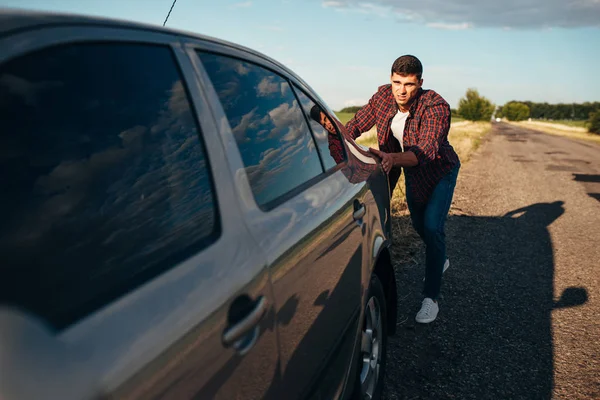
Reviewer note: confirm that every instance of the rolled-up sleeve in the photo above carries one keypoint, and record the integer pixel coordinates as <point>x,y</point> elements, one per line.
<point>433,132</point>
<point>363,120</point>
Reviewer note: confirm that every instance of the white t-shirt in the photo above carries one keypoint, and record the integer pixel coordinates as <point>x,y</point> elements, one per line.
<point>398,126</point>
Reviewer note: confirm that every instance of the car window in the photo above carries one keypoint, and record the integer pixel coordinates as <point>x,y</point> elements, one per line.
<point>326,135</point>
<point>105,182</point>
<point>270,130</point>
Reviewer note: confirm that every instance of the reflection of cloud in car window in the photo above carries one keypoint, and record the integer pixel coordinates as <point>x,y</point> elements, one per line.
<point>69,185</point>
<point>242,69</point>
<point>26,90</point>
<point>288,122</point>
<point>267,86</point>
<point>249,119</point>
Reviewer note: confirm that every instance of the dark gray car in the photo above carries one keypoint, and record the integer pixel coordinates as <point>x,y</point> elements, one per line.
<point>175,225</point>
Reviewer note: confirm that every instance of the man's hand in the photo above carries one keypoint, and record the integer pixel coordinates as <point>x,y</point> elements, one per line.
<point>387,161</point>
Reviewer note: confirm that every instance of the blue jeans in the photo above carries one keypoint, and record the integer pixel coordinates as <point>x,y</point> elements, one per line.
<point>428,220</point>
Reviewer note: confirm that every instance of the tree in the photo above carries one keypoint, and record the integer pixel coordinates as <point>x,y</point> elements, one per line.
<point>474,107</point>
<point>351,109</point>
<point>515,111</point>
<point>594,122</point>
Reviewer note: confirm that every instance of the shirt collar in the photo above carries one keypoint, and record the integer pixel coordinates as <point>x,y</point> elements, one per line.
<point>393,108</point>
<point>415,103</point>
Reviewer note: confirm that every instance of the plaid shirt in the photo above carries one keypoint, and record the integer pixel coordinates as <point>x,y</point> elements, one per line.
<point>425,134</point>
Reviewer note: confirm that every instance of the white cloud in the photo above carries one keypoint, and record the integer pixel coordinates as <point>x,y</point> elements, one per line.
<point>454,14</point>
<point>244,4</point>
<point>355,102</point>
<point>451,27</point>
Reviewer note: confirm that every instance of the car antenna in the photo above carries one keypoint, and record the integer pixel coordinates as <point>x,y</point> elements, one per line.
<point>172,5</point>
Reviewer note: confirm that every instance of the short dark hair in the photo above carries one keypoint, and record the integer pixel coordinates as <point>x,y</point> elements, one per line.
<point>315,113</point>
<point>408,65</point>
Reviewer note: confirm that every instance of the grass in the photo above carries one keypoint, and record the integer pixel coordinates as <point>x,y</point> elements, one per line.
<point>559,130</point>
<point>344,117</point>
<point>578,124</point>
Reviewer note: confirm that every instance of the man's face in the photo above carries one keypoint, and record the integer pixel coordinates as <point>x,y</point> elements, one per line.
<point>405,88</point>
<point>326,123</point>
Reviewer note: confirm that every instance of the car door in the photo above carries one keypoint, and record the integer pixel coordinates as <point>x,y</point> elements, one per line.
<point>126,270</point>
<point>305,214</point>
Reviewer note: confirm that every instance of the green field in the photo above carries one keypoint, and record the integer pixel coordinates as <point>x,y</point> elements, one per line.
<point>344,117</point>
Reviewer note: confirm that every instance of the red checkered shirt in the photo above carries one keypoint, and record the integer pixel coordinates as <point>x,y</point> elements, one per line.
<point>425,134</point>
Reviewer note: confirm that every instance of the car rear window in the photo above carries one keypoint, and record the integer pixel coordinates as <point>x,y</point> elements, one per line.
<point>269,126</point>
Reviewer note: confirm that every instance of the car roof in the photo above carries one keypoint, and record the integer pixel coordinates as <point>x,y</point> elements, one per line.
<point>16,20</point>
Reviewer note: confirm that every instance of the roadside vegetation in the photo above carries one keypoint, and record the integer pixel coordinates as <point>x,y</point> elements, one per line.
<point>558,129</point>
<point>567,122</point>
<point>572,120</point>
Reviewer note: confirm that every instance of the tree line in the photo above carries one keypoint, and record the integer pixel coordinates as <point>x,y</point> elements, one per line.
<point>475,107</point>
<point>572,111</point>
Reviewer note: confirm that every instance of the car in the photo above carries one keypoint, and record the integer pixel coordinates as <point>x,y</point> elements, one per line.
<point>176,225</point>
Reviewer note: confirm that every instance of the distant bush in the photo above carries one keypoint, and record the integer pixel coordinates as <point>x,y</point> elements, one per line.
<point>475,107</point>
<point>515,111</point>
<point>352,109</point>
<point>594,122</point>
<point>499,112</point>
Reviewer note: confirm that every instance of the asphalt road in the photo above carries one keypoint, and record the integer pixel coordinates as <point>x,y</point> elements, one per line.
<point>520,308</point>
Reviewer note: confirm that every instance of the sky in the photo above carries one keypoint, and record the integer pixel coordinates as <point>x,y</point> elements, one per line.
<point>537,50</point>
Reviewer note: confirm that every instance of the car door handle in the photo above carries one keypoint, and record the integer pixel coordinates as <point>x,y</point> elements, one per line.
<point>359,212</point>
<point>250,322</point>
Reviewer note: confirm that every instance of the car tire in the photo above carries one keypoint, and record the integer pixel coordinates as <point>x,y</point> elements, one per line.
<point>373,345</point>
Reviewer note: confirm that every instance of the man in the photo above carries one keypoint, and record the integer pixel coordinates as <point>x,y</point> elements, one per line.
<point>412,131</point>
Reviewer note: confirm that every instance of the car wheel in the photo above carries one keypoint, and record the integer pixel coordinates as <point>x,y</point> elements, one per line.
<point>371,368</point>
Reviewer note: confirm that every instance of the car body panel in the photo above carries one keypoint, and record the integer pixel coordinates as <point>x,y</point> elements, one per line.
<point>308,258</point>
<point>319,256</point>
<point>165,337</point>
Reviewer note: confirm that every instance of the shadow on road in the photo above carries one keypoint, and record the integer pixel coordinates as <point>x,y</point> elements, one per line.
<point>493,335</point>
<point>591,184</point>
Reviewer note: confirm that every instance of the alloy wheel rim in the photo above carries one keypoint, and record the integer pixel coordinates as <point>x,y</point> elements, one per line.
<point>371,348</point>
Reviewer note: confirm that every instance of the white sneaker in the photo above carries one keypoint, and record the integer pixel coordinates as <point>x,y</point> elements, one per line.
<point>446,266</point>
<point>428,312</point>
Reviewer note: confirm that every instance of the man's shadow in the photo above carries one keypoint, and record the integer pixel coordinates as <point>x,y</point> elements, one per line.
<point>493,337</point>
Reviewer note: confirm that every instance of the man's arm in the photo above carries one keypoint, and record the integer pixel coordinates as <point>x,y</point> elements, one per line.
<point>390,160</point>
<point>433,131</point>
<point>363,120</point>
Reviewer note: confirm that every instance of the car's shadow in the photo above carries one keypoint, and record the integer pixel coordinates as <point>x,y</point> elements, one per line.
<point>492,338</point>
